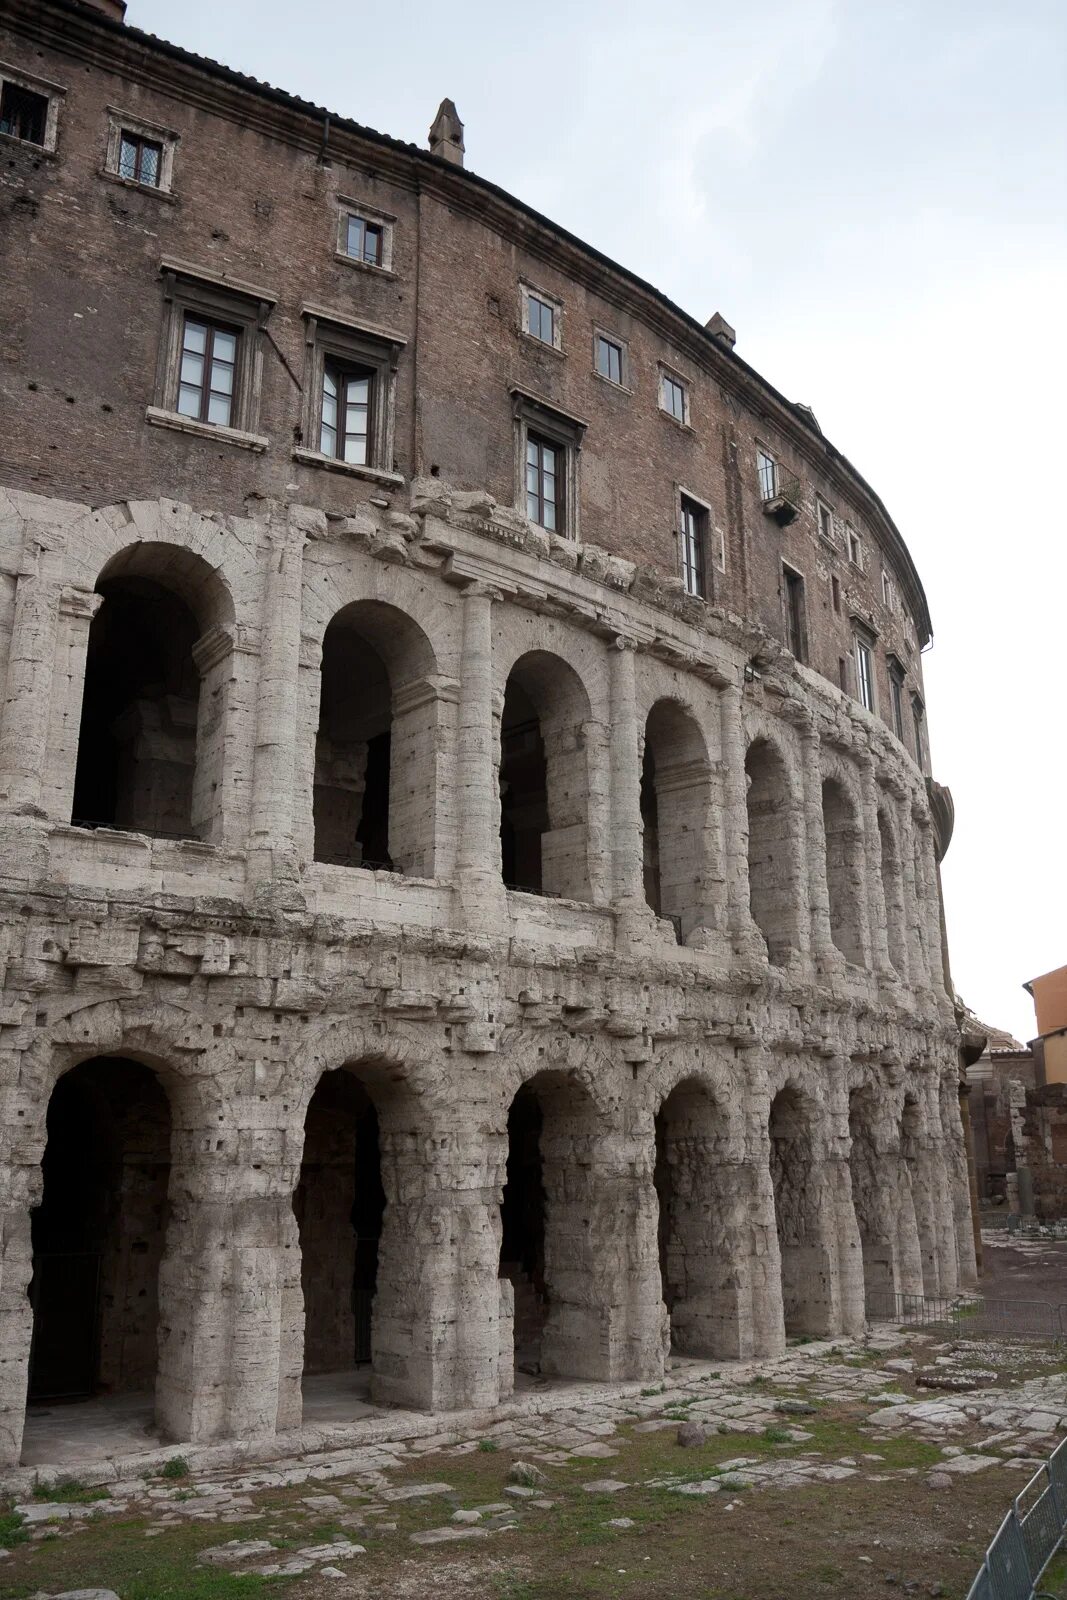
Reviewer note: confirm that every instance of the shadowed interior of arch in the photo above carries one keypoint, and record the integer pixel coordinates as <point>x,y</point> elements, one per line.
<point>675,802</point>
<point>772,850</point>
<point>98,1233</point>
<point>805,1267</point>
<point>543,783</point>
<point>698,1247</point>
<point>339,1204</point>
<point>868,1199</point>
<point>844,869</point>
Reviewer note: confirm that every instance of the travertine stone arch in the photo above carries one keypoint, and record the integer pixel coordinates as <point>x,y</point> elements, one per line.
<point>605,1314</point>
<point>881,1193</point>
<point>846,873</point>
<point>414,629</point>
<point>680,840</point>
<point>777,879</point>
<point>921,1146</point>
<point>172,1045</point>
<point>822,1275</point>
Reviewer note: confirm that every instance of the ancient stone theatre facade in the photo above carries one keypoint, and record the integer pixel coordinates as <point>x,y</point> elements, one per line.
<point>469,872</point>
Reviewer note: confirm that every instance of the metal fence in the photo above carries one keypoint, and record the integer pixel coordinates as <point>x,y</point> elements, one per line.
<point>1028,1538</point>
<point>971,1316</point>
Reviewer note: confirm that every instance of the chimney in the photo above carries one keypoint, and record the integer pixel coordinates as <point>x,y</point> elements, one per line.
<point>114,9</point>
<point>446,135</point>
<point>721,330</point>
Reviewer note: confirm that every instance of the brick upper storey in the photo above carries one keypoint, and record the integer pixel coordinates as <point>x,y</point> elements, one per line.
<point>251,212</point>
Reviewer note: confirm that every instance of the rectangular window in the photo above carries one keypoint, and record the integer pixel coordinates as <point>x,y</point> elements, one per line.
<point>694,535</point>
<point>672,397</point>
<point>544,482</point>
<point>363,241</point>
<point>794,611</point>
<point>855,547</point>
<point>888,591</point>
<point>23,114</point>
<point>767,470</point>
<point>208,368</point>
<point>826,521</point>
<point>865,674</point>
<point>896,689</point>
<point>140,160</point>
<point>540,319</point>
<point>347,408</point>
<point>920,736</point>
<point>609,359</point>
<point>835,594</point>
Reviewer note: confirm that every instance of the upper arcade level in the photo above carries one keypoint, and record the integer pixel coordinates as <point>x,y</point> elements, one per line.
<point>359,314</point>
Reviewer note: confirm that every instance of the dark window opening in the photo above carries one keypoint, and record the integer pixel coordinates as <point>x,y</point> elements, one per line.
<point>794,612</point>
<point>540,318</point>
<point>918,725</point>
<point>896,688</point>
<point>835,594</point>
<point>609,359</point>
<point>208,369</point>
<point>522,1227</point>
<point>347,400</point>
<point>140,159</point>
<point>363,241</point>
<point>353,753</point>
<point>544,482</point>
<point>523,791</point>
<point>844,870</point>
<point>694,534</point>
<point>773,851</point>
<point>98,1234</point>
<point>842,673</point>
<point>672,397</point>
<point>650,829</point>
<point>137,744</point>
<point>339,1205</point>
<point>23,114</point>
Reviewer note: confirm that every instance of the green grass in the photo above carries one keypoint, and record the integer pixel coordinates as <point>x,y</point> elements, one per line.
<point>176,1467</point>
<point>13,1530</point>
<point>71,1491</point>
<point>113,1554</point>
<point>488,1446</point>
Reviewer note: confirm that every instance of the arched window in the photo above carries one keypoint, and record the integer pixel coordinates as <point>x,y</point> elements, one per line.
<point>152,741</point>
<point>675,806</point>
<point>773,850</point>
<point>375,788</point>
<point>544,786</point>
<point>844,870</point>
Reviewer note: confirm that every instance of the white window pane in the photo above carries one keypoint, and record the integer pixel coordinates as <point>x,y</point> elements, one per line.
<point>222,377</point>
<point>329,411</point>
<point>355,236</point>
<point>531,453</point>
<point>195,336</point>
<point>150,165</point>
<point>218,409</point>
<point>328,440</point>
<point>192,368</point>
<point>358,391</point>
<point>550,515</point>
<point>127,159</point>
<point>531,506</point>
<point>225,346</point>
<point>188,401</point>
<point>329,385</point>
<point>356,449</point>
<point>532,479</point>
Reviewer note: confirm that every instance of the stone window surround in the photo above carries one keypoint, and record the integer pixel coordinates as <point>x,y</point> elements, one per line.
<point>854,547</point>
<point>52,92</point>
<point>200,292</point>
<point>791,568</point>
<point>665,371</point>
<point>348,207</point>
<point>681,494</point>
<point>864,634</point>
<point>531,413</point>
<point>821,506</point>
<point>120,122</point>
<point>526,289</point>
<point>328,334</point>
<point>624,385</point>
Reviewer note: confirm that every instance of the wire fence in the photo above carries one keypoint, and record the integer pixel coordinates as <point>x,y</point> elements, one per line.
<point>1028,1538</point>
<point>971,1316</point>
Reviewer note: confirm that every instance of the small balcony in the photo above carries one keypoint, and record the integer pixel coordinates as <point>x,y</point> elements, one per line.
<point>781,497</point>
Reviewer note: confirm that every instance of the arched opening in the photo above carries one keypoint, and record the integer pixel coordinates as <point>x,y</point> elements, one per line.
<point>98,1236</point>
<point>844,870</point>
<point>699,1250</point>
<point>152,735</point>
<point>375,779</point>
<point>546,1249</point>
<point>917,1165</point>
<point>339,1204</point>
<point>544,789</point>
<point>806,1285</point>
<point>893,891</point>
<point>675,807</point>
<point>772,851</point>
<point>870,1199</point>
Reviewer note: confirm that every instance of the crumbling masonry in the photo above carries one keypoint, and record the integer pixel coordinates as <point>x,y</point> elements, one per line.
<point>428,938</point>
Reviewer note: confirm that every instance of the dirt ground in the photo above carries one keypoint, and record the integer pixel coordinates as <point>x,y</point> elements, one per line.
<point>1025,1269</point>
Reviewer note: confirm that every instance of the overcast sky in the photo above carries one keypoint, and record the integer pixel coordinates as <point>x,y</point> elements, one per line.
<point>874,193</point>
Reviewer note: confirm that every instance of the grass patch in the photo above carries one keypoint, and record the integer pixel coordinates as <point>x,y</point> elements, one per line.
<point>176,1467</point>
<point>487,1446</point>
<point>13,1530</point>
<point>71,1492</point>
<point>775,1435</point>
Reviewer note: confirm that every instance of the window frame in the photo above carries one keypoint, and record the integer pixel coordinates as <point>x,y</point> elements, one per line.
<point>212,328</point>
<point>854,542</point>
<point>889,590</point>
<point>122,124</point>
<point>918,723</point>
<point>667,375</point>
<point>530,292</point>
<point>334,341</point>
<point>541,444</point>
<point>51,93</point>
<point>823,508</point>
<point>188,291</point>
<point>764,455</point>
<point>897,677</point>
<point>863,652</point>
<point>533,415</point>
<point>351,210</point>
<point>794,604</point>
<point>700,569</point>
<point>612,340</point>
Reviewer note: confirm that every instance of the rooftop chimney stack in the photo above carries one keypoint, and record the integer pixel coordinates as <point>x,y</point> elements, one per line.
<point>446,135</point>
<point>721,330</point>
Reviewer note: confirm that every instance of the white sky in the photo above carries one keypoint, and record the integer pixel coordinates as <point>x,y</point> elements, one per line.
<point>874,192</point>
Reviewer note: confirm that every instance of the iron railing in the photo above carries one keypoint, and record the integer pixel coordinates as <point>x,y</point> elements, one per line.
<point>971,1316</point>
<point>1028,1538</point>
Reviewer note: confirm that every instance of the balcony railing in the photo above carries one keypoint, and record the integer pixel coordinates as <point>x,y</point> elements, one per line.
<point>783,503</point>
